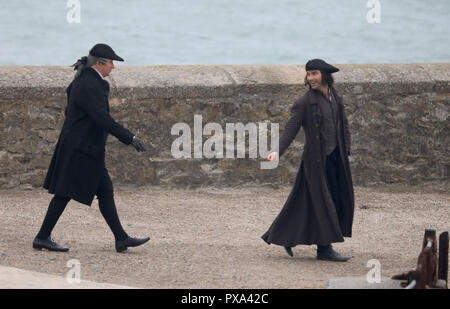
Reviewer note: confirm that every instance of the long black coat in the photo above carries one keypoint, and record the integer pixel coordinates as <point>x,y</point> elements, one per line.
<point>79,157</point>
<point>309,215</point>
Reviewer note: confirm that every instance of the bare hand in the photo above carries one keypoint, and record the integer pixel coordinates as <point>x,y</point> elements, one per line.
<point>273,156</point>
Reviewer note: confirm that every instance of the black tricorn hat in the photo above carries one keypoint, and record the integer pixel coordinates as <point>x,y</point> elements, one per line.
<point>104,51</point>
<point>319,64</point>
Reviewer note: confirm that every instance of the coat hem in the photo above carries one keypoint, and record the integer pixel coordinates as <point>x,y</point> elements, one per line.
<point>84,202</point>
<point>306,243</point>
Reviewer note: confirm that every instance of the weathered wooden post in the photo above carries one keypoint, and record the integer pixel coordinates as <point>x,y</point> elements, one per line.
<point>443,258</point>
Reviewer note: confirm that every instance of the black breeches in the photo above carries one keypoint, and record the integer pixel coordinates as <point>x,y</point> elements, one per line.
<point>105,195</point>
<point>55,209</point>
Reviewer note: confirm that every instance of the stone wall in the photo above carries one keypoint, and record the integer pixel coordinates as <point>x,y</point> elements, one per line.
<point>399,118</point>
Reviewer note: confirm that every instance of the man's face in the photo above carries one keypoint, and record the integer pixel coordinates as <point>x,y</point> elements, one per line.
<point>106,69</point>
<point>314,78</point>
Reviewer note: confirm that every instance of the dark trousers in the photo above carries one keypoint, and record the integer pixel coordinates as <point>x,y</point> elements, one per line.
<point>105,195</point>
<point>336,181</point>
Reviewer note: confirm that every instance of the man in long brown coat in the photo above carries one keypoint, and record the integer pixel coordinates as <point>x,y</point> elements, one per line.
<point>319,209</point>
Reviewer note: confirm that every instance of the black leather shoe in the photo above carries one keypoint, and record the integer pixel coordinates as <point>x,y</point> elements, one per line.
<point>48,244</point>
<point>328,254</point>
<point>289,251</point>
<point>122,245</point>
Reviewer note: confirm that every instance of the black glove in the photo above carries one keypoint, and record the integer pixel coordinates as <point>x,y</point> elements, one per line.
<point>138,144</point>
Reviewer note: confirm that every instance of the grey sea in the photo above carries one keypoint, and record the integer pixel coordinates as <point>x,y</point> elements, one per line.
<point>153,32</point>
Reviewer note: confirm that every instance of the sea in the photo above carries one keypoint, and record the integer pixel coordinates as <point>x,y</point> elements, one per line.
<point>214,32</point>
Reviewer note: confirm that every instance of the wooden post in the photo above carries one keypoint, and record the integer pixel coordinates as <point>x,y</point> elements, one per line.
<point>443,257</point>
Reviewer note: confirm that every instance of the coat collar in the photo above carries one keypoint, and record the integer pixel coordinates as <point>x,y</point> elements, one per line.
<point>95,73</point>
<point>314,96</point>
<point>99,74</point>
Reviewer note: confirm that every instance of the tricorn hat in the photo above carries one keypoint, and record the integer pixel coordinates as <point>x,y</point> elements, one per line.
<point>319,64</point>
<point>104,51</point>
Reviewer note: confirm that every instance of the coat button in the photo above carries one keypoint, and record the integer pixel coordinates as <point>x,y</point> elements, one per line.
<point>317,136</point>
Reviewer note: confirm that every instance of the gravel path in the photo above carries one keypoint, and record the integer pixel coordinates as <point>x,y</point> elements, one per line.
<point>210,238</point>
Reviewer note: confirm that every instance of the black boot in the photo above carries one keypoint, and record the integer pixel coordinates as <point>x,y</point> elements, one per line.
<point>122,245</point>
<point>289,251</point>
<point>328,254</point>
<point>48,244</point>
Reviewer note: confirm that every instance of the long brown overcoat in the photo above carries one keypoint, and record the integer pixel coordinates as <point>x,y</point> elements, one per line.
<point>309,215</point>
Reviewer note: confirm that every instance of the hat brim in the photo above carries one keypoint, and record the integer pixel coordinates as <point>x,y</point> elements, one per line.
<point>332,69</point>
<point>319,64</point>
<point>328,68</point>
<point>117,58</point>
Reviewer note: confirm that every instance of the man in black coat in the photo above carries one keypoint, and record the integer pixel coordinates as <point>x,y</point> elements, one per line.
<point>77,170</point>
<point>319,209</point>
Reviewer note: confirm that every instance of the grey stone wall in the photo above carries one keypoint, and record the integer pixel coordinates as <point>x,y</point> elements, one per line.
<point>399,118</point>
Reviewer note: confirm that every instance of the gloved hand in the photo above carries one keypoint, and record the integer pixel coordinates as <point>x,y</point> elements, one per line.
<point>138,144</point>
